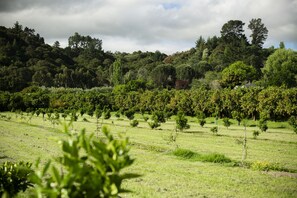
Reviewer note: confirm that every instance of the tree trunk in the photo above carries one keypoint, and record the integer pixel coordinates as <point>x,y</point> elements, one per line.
<point>244,149</point>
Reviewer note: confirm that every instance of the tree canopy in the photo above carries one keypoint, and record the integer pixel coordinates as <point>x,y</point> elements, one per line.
<point>26,60</point>
<point>281,68</point>
<point>237,74</point>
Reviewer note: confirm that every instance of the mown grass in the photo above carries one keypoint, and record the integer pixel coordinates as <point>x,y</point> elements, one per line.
<point>197,169</point>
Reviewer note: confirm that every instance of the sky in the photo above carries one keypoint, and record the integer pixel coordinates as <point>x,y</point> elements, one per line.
<point>148,25</point>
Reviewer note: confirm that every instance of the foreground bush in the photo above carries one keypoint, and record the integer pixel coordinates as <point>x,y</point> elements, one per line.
<point>14,177</point>
<point>89,168</point>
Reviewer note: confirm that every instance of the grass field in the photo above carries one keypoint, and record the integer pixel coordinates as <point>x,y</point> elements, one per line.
<point>164,174</point>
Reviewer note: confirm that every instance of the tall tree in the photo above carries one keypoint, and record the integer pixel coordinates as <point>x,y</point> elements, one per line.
<point>164,75</point>
<point>116,76</point>
<point>259,32</point>
<point>233,43</point>
<point>184,72</point>
<point>232,31</point>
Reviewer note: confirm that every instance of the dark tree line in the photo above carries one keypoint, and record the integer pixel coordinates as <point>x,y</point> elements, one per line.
<point>216,62</point>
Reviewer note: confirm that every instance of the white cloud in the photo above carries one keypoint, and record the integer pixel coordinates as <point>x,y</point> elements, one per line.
<point>164,25</point>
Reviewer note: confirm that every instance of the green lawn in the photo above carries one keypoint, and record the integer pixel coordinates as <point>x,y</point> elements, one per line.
<point>163,174</point>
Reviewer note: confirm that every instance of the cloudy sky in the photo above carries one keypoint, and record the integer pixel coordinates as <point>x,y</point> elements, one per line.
<point>149,25</point>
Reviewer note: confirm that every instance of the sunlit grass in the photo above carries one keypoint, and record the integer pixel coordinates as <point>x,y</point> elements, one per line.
<point>164,174</point>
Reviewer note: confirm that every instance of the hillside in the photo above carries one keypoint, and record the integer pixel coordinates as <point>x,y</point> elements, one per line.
<point>25,60</point>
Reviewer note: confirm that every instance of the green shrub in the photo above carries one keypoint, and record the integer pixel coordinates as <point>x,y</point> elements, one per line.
<point>256,133</point>
<point>181,121</point>
<point>214,130</point>
<point>293,122</point>
<point>89,167</point>
<point>134,123</point>
<point>118,114</point>
<point>215,158</point>
<point>212,157</point>
<point>130,114</point>
<point>227,122</point>
<point>263,125</point>
<point>154,124</point>
<point>202,122</point>
<point>183,153</point>
<point>159,116</point>
<point>14,177</point>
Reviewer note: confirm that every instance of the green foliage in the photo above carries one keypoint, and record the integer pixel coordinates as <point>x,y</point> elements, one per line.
<point>263,125</point>
<point>184,72</point>
<point>259,32</point>
<point>281,68</point>
<point>98,113</point>
<point>237,74</point>
<point>154,124</point>
<point>164,75</point>
<point>26,59</point>
<point>256,133</point>
<point>158,116</point>
<point>14,177</point>
<point>184,153</point>
<point>82,111</point>
<point>117,114</point>
<point>212,157</point>
<point>90,112</point>
<point>64,115</point>
<point>237,116</point>
<point>226,122</point>
<point>130,114</point>
<point>88,168</point>
<point>106,114</point>
<point>201,118</point>
<point>282,45</point>
<point>293,122</point>
<point>202,122</point>
<point>134,123</point>
<point>214,130</point>
<point>215,158</point>
<point>117,75</point>
<point>232,31</point>
<point>181,121</point>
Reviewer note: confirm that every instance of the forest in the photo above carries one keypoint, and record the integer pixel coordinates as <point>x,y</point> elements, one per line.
<point>214,63</point>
